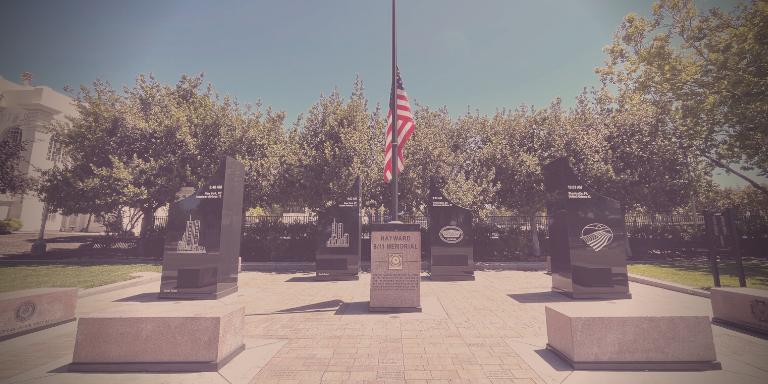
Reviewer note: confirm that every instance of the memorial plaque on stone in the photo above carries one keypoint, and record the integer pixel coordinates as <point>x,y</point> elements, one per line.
<point>720,223</point>
<point>202,241</point>
<point>586,237</point>
<point>450,237</point>
<point>338,238</point>
<point>395,268</point>
<point>722,236</point>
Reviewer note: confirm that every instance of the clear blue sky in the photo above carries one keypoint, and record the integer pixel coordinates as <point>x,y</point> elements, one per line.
<point>486,53</point>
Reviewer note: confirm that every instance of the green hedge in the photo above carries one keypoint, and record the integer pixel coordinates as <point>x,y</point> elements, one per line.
<point>277,241</point>
<point>494,243</point>
<point>9,225</point>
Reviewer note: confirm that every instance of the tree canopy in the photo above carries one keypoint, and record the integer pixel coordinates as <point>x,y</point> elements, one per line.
<point>713,83</point>
<point>139,149</point>
<point>683,92</point>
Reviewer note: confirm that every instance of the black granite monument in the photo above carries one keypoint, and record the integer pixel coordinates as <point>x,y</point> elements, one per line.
<point>450,237</point>
<point>202,241</point>
<point>338,238</point>
<point>586,238</point>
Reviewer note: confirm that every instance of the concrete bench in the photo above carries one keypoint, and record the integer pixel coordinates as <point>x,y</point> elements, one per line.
<point>746,308</point>
<point>595,336</point>
<point>159,337</point>
<point>23,312</point>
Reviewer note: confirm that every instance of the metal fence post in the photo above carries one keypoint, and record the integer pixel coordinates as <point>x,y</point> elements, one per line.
<point>711,245</point>
<point>736,248</point>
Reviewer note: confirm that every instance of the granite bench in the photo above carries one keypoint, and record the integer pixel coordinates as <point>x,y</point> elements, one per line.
<point>745,308</point>
<point>594,336</point>
<point>159,337</point>
<point>31,310</point>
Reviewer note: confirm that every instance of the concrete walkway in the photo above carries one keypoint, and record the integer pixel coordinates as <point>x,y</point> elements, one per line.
<point>491,330</point>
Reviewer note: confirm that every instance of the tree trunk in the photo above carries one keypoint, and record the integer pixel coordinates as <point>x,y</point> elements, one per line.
<point>88,224</point>
<point>627,248</point>
<point>535,248</point>
<point>39,247</point>
<point>147,222</point>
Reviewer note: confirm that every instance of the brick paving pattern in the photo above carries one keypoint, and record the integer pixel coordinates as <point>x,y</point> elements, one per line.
<point>325,345</point>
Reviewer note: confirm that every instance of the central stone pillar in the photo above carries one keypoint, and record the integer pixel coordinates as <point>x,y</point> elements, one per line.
<point>395,268</point>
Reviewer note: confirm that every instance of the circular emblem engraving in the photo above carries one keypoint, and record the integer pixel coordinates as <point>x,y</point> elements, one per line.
<point>25,311</point>
<point>759,310</point>
<point>451,234</point>
<point>597,235</point>
<point>395,261</point>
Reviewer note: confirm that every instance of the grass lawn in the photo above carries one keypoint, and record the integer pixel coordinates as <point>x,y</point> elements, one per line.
<point>698,274</point>
<point>19,276</point>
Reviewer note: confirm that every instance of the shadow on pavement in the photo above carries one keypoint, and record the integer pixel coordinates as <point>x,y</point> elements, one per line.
<point>147,297</point>
<point>325,306</point>
<point>539,297</point>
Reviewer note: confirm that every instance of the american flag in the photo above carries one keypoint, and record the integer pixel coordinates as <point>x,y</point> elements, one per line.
<point>405,128</point>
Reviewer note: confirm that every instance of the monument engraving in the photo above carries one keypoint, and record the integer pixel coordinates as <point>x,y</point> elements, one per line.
<point>450,237</point>
<point>586,237</point>
<point>30,310</point>
<point>25,311</point>
<point>338,238</point>
<point>395,268</point>
<point>741,307</point>
<point>202,243</point>
<point>759,310</point>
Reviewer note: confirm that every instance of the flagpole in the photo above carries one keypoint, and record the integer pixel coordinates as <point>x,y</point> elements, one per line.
<point>393,108</point>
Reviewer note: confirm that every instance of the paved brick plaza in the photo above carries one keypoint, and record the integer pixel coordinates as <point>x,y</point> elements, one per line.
<point>491,330</point>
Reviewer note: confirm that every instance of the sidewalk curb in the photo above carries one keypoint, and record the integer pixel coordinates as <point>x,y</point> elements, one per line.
<point>667,285</point>
<point>143,278</point>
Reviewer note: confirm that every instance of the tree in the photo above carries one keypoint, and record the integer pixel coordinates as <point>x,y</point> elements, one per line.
<point>336,142</point>
<point>137,151</point>
<point>12,180</point>
<point>643,167</point>
<point>714,82</point>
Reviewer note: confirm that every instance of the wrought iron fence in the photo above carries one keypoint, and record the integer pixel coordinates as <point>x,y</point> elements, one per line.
<point>637,221</point>
<point>303,219</point>
<point>161,221</point>
<point>370,218</point>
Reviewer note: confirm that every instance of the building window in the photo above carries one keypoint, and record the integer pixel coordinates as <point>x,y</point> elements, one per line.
<point>13,135</point>
<point>52,216</point>
<point>54,151</point>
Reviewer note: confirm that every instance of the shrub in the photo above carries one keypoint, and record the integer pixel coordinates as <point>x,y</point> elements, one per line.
<point>277,241</point>
<point>9,225</point>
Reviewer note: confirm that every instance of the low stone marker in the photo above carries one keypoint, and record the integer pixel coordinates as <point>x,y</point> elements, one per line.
<point>741,307</point>
<point>31,310</point>
<point>593,337</point>
<point>395,268</point>
<point>159,338</point>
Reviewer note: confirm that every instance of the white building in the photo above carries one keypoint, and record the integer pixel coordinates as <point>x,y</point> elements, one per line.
<point>24,111</point>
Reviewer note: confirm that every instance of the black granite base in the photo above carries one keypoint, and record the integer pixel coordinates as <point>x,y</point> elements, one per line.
<point>752,331</point>
<point>452,278</point>
<point>638,365</point>
<point>36,329</point>
<point>395,309</point>
<point>196,296</point>
<point>194,366</point>
<point>592,295</point>
<point>337,278</point>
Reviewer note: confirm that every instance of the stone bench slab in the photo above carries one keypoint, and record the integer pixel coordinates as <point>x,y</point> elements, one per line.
<point>594,336</point>
<point>23,312</point>
<point>746,308</point>
<point>159,337</point>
